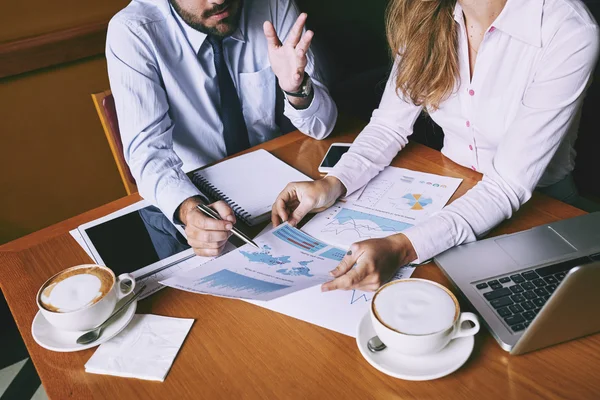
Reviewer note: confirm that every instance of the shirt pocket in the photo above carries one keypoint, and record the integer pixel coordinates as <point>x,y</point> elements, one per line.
<point>258,99</point>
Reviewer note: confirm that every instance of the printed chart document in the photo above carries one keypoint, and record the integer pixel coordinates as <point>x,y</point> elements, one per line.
<point>337,310</point>
<point>393,201</point>
<point>288,260</point>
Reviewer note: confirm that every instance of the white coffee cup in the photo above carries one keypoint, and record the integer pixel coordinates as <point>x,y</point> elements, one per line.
<point>85,296</point>
<point>428,301</point>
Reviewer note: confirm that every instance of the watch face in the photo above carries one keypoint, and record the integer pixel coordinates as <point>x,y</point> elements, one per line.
<point>305,89</point>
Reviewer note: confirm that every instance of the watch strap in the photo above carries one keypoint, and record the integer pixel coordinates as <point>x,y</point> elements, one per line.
<point>305,88</point>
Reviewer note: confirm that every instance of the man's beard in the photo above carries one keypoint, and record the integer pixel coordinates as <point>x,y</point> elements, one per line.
<point>232,21</point>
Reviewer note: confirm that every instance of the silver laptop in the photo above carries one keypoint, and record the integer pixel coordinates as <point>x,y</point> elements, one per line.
<point>533,288</point>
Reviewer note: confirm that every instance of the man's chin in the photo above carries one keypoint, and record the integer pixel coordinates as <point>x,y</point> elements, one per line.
<point>224,28</point>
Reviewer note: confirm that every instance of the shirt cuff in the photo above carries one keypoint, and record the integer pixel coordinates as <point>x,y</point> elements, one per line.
<point>171,197</point>
<point>300,114</point>
<point>430,238</point>
<point>348,176</point>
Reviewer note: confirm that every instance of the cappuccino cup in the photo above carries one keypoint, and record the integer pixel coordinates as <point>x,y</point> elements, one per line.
<point>418,316</point>
<point>82,297</point>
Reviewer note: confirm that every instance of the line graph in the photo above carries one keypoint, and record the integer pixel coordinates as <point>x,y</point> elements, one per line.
<point>375,191</point>
<point>355,225</point>
<point>356,297</point>
<point>342,225</point>
<point>359,297</point>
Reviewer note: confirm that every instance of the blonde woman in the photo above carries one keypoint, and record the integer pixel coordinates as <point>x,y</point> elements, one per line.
<point>505,80</point>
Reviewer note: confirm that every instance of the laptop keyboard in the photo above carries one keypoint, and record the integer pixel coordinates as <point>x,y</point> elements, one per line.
<point>518,298</point>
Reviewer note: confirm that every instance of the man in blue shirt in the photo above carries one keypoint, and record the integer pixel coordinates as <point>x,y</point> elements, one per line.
<point>197,80</point>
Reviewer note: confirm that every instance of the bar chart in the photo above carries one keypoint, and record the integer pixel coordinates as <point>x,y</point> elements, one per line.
<point>299,239</point>
<point>229,281</point>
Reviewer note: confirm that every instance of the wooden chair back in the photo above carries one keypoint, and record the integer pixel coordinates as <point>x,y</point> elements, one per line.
<point>105,106</point>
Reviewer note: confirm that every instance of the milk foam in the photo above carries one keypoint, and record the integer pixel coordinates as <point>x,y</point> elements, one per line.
<point>416,308</point>
<point>73,293</point>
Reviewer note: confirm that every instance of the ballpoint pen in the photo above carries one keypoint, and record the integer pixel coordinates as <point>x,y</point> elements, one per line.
<point>213,214</point>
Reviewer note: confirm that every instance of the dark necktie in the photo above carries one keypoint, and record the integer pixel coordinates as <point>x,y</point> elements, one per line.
<point>235,131</point>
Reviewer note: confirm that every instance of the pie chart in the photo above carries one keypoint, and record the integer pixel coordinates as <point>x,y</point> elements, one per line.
<point>417,201</point>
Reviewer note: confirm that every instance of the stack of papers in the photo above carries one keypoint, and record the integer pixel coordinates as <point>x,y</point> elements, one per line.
<point>290,265</point>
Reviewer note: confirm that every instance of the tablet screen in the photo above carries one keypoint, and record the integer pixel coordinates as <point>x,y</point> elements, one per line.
<point>135,240</point>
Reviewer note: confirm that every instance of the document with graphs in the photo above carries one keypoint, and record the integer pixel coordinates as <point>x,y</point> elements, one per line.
<point>337,310</point>
<point>393,201</point>
<point>288,260</point>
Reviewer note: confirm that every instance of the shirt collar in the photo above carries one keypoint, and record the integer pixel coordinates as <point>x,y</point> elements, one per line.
<point>521,19</point>
<point>196,38</point>
<point>458,14</point>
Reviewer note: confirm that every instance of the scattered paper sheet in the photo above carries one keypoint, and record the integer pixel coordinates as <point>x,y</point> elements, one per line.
<point>145,349</point>
<point>338,310</point>
<point>151,279</point>
<point>407,195</point>
<point>393,201</point>
<point>288,260</point>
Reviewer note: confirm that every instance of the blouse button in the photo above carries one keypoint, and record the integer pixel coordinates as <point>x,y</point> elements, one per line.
<point>473,168</point>
<point>468,124</point>
<point>470,147</point>
<point>472,92</point>
<point>492,29</point>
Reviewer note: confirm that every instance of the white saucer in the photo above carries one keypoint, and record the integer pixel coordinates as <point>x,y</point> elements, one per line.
<point>414,368</point>
<point>55,339</point>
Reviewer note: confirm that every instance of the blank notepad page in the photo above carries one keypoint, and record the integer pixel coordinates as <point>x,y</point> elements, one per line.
<point>250,182</point>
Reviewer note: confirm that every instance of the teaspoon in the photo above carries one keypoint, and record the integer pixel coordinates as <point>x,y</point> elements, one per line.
<point>95,333</point>
<point>375,344</point>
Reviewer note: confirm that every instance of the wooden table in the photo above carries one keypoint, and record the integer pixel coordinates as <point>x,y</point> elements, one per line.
<point>238,350</point>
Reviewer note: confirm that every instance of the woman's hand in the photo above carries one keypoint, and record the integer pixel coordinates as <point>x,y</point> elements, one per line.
<point>300,198</point>
<point>376,262</point>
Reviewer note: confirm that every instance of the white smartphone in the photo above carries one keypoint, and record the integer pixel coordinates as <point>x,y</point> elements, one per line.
<point>333,155</point>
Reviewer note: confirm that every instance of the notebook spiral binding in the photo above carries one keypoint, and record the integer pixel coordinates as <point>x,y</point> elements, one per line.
<point>215,194</point>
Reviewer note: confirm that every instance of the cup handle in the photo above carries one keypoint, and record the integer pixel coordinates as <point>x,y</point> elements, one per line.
<point>125,285</point>
<point>462,332</point>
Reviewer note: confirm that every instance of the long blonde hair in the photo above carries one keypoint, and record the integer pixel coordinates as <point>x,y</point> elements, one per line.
<point>423,33</point>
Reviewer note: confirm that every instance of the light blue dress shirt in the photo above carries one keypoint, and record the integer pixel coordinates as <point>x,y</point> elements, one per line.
<point>163,79</point>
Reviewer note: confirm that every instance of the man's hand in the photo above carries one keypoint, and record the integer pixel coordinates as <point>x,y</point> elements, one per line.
<point>288,60</point>
<point>206,235</point>
<point>371,263</point>
<point>300,198</point>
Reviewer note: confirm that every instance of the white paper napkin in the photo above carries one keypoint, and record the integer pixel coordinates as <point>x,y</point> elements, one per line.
<point>145,349</point>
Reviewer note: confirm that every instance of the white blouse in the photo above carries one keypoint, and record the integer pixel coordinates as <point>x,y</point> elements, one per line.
<point>516,121</point>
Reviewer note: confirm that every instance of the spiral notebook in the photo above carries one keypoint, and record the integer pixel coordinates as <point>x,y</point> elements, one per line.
<point>249,183</point>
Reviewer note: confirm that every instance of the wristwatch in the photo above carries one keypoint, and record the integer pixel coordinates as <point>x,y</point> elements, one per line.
<point>306,88</point>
